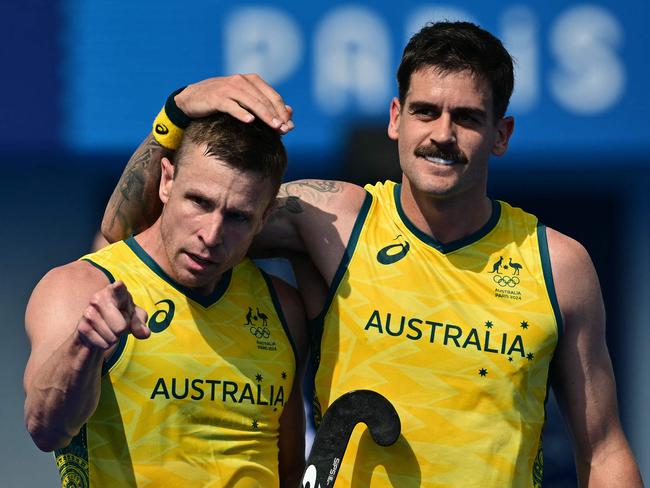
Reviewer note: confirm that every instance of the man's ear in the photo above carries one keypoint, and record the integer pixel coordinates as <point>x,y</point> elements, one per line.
<point>166,179</point>
<point>505,127</point>
<point>395,114</point>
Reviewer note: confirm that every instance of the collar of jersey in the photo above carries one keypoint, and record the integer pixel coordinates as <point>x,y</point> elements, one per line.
<point>450,246</point>
<point>204,300</point>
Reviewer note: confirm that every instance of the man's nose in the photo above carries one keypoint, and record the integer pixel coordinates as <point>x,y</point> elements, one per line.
<point>212,229</point>
<point>443,131</point>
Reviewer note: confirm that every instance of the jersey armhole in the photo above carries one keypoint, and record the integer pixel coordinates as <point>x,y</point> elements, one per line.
<point>117,353</point>
<point>278,310</point>
<point>548,277</point>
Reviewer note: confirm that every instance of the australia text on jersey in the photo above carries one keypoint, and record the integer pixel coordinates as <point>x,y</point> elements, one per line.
<point>218,390</point>
<point>449,335</point>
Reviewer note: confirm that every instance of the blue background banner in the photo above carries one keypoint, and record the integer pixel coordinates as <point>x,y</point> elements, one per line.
<point>108,66</point>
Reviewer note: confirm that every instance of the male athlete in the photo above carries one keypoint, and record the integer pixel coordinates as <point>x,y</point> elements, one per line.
<point>206,391</point>
<point>458,308</point>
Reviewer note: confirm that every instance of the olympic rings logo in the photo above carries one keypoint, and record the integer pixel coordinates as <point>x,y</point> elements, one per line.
<point>504,281</point>
<point>260,332</point>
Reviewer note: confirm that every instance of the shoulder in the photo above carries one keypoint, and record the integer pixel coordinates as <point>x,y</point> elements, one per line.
<point>569,258</point>
<point>63,291</point>
<point>294,313</point>
<point>574,276</point>
<point>76,275</point>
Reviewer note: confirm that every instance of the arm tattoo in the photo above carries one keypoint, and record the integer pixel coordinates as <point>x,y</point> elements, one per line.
<point>293,195</point>
<point>322,186</point>
<point>297,196</point>
<point>129,197</point>
<point>290,204</point>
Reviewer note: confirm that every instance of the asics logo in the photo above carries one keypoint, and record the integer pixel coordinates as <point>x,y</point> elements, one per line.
<point>161,318</point>
<point>393,252</point>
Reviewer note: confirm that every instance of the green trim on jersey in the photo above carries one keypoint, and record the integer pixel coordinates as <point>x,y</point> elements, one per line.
<point>108,274</point>
<point>278,310</point>
<point>108,364</point>
<point>548,277</point>
<point>203,300</point>
<point>537,473</point>
<point>454,245</point>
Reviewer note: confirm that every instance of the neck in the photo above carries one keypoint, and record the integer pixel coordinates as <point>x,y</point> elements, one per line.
<point>151,241</point>
<point>445,219</point>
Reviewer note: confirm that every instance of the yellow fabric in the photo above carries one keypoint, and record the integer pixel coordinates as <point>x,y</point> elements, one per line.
<point>167,133</point>
<point>199,402</point>
<point>459,338</point>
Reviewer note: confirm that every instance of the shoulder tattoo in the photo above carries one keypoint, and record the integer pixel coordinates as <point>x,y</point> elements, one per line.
<point>293,195</point>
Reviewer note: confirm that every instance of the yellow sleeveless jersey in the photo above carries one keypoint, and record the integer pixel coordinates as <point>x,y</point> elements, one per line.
<point>458,337</point>
<point>197,403</point>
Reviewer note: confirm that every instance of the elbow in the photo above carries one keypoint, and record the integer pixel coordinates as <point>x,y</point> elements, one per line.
<point>46,438</point>
<point>108,230</point>
<point>47,442</point>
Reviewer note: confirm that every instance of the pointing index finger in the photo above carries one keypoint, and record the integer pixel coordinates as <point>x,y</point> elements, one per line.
<point>123,299</point>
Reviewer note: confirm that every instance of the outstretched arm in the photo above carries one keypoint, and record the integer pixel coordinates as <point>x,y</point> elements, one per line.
<point>134,204</point>
<point>582,374</point>
<point>74,319</point>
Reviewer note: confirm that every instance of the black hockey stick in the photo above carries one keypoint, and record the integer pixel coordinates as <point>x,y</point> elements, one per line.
<point>334,432</point>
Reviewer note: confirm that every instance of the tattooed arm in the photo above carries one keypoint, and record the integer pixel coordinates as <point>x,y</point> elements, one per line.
<point>314,217</point>
<point>134,204</point>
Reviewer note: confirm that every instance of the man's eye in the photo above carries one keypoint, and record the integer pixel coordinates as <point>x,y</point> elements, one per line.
<point>237,217</point>
<point>198,201</point>
<point>468,118</point>
<point>425,113</point>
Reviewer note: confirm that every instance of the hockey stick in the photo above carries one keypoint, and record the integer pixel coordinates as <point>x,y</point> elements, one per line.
<point>334,432</point>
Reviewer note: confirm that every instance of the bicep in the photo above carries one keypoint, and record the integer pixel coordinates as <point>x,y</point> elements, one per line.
<point>582,374</point>
<point>583,381</point>
<point>54,308</point>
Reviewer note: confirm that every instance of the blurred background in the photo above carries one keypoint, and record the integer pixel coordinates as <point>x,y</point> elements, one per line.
<point>83,79</point>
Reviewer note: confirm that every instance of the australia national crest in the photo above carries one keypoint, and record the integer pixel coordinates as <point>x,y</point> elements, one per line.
<point>506,276</point>
<point>258,325</point>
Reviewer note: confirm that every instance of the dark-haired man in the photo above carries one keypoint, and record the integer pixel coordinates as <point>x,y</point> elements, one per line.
<point>202,393</point>
<point>420,308</point>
